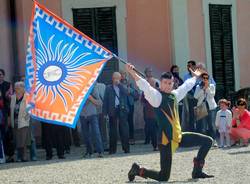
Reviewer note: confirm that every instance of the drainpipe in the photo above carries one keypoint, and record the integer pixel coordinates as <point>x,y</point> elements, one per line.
<point>13,39</point>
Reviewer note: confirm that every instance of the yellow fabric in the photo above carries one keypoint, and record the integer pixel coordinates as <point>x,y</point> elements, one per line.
<point>164,140</point>
<point>174,146</point>
<point>176,127</point>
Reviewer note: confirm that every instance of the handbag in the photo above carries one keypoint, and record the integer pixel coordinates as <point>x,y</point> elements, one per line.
<point>201,111</point>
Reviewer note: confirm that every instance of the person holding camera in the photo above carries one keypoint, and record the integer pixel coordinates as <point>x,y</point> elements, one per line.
<point>116,107</point>
<point>205,92</point>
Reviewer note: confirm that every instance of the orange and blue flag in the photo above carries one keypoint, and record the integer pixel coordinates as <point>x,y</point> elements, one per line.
<point>62,65</point>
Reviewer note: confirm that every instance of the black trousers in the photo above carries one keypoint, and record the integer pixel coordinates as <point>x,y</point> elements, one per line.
<point>114,121</point>
<point>131,122</point>
<point>53,136</point>
<point>67,138</point>
<point>192,102</point>
<point>189,139</point>
<point>152,130</point>
<point>76,137</point>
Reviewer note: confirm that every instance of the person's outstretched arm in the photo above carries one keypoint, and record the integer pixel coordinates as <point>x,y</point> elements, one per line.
<point>152,95</point>
<point>182,90</point>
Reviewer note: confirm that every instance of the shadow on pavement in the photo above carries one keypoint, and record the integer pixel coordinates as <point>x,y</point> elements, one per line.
<point>239,152</point>
<point>76,155</point>
<point>154,182</point>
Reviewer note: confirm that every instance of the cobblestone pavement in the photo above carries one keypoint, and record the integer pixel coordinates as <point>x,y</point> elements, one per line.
<point>230,166</point>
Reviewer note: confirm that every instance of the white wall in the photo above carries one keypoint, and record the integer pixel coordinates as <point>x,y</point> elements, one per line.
<point>180,37</point>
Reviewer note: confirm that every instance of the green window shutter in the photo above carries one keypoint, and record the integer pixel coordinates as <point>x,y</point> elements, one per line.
<point>222,49</point>
<point>100,25</point>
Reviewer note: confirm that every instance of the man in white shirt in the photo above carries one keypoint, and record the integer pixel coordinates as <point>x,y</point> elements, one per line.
<point>171,137</point>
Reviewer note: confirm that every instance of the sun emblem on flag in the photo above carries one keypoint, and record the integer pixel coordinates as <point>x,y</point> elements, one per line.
<point>58,68</point>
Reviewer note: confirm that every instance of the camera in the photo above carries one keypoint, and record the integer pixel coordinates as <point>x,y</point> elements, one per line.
<point>201,84</point>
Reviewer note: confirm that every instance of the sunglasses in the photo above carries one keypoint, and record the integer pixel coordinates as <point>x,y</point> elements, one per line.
<point>241,104</point>
<point>205,78</point>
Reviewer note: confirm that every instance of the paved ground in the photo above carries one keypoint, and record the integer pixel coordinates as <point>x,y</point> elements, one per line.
<point>231,166</point>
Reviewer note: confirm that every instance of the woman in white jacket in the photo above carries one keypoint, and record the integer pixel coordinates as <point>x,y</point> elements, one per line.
<point>20,121</point>
<point>205,91</point>
<point>223,122</point>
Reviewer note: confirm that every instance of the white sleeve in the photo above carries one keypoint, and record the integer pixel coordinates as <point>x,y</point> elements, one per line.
<point>229,123</point>
<point>217,119</point>
<point>211,90</point>
<point>198,92</point>
<point>182,90</point>
<point>152,95</point>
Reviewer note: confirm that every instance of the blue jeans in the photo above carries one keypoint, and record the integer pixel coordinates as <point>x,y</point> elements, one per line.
<point>207,124</point>
<point>2,157</point>
<point>90,126</point>
<point>211,123</point>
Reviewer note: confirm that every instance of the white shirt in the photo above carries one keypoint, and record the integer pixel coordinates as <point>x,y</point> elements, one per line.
<point>154,97</point>
<point>209,94</point>
<point>117,95</point>
<point>223,119</point>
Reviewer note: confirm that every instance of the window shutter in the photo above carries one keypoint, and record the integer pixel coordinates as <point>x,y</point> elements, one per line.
<point>83,21</point>
<point>100,25</point>
<point>222,49</point>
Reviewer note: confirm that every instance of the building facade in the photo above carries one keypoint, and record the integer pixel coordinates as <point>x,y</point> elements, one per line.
<point>156,33</point>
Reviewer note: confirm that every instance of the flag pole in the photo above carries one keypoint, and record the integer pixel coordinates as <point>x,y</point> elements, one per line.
<point>125,62</point>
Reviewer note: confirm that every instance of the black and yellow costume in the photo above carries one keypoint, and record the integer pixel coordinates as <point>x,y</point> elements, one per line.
<point>170,137</point>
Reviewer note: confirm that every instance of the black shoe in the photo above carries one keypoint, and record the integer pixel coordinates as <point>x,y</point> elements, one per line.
<point>235,143</point>
<point>196,175</point>
<point>99,155</point>
<point>197,170</point>
<point>134,171</point>
<point>77,145</point>
<point>106,149</point>
<point>48,157</point>
<point>131,141</point>
<point>61,157</point>
<point>10,159</point>
<point>112,152</point>
<point>126,151</point>
<point>87,155</point>
<point>24,160</point>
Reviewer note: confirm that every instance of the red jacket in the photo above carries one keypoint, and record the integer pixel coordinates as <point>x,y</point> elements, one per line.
<point>244,120</point>
<point>1,103</point>
<point>148,109</point>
